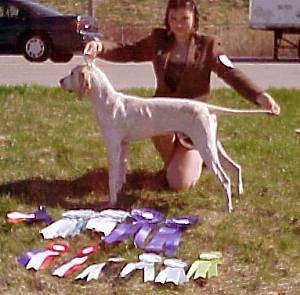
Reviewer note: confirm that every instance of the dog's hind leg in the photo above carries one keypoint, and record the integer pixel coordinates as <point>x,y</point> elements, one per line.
<point>232,166</point>
<point>214,162</point>
<point>206,144</point>
<point>224,180</point>
<point>209,154</point>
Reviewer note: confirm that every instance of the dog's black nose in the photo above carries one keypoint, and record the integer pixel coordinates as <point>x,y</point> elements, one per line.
<point>61,81</point>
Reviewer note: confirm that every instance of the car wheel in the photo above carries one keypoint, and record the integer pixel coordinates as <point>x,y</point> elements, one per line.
<point>36,48</point>
<point>61,57</point>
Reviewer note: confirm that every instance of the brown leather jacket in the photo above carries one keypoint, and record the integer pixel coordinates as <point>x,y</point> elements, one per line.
<point>203,57</point>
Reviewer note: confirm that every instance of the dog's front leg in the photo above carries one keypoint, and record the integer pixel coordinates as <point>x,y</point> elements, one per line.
<point>123,163</point>
<point>114,166</point>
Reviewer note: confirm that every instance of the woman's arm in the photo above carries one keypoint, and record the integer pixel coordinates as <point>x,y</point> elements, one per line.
<point>234,77</point>
<point>139,51</point>
<point>266,101</point>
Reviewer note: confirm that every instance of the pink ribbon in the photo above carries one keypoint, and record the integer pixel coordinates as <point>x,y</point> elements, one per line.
<point>40,215</point>
<point>77,262</point>
<point>40,259</point>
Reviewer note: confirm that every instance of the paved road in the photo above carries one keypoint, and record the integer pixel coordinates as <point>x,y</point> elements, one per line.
<point>16,70</point>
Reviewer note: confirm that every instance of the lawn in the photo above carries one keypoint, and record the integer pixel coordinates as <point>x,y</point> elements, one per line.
<point>51,154</point>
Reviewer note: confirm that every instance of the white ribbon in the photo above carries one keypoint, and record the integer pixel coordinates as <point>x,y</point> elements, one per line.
<point>37,259</point>
<point>102,225</point>
<point>118,215</point>
<point>173,273</point>
<point>146,263</point>
<point>106,221</point>
<point>81,213</point>
<point>63,269</point>
<point>62,228</point>
<point>70,225</point>
<point>93,271</point>
<point>74,221</point>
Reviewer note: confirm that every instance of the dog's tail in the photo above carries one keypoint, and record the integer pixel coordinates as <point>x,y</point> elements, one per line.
<point>229,111</point>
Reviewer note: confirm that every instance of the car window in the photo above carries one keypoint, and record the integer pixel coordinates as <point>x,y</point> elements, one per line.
<point>42,10</point>
<point>1,11</point>
<point>9,11</point>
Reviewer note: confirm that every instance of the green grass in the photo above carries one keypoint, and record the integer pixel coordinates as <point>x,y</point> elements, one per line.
<point>51,154</point>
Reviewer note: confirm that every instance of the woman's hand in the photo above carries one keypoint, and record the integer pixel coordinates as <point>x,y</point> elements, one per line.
<point>267,102</point>
<point>92,49</point>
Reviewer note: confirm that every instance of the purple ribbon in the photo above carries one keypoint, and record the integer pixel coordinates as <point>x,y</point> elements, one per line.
<point>122,232</point>
<point>149,218</point>
<point>142,234</point>
<point>147,215</point>
<point>144,221</point>
<point>40,215</point>
<point>167,239</point>
<point>181,222</point>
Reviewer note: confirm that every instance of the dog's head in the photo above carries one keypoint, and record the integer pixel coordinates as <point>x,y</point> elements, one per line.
<point>78,81</point>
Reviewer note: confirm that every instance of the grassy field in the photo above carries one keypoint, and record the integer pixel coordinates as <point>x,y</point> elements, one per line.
<point>51,154</point>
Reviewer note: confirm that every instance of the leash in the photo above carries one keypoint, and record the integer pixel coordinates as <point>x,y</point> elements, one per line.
<point>90,62</point>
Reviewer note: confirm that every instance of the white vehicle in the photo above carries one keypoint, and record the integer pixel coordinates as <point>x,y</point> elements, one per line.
<point>280,16</point>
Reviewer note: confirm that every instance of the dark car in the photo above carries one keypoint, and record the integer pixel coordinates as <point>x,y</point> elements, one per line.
<point>39,32</point>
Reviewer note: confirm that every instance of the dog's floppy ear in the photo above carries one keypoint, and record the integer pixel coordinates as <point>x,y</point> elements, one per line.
<point>85,80</point>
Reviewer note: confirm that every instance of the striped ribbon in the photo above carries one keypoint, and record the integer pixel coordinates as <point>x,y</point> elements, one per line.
<point>40,259</point>
<point>77,262</point>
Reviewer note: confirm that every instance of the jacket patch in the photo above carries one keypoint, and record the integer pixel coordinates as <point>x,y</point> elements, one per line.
<point>225,61</point>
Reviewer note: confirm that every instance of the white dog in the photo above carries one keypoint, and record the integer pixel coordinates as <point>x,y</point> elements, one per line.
<point>123,118</point>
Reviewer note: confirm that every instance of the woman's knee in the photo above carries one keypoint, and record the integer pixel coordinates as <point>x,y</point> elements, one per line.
<point>178,183</point>
<point>184,170</point>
